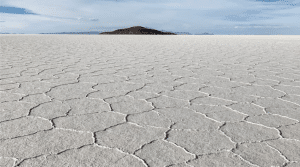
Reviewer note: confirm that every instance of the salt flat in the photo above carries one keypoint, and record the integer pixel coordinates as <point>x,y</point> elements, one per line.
<point>180,101</point>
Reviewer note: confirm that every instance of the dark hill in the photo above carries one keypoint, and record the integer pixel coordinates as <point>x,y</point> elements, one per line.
<point>138,30</point>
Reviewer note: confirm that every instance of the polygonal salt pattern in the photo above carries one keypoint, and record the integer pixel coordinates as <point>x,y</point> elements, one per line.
<point>149,101</point>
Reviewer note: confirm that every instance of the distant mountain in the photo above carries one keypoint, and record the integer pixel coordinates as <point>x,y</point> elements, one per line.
<point>205,34</point>
<point>182,33</point>
<point>138,30</point>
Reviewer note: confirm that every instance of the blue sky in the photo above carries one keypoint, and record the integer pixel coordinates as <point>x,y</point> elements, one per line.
<point>233,17</point>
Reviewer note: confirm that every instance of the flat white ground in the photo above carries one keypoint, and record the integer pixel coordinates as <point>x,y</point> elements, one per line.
<point>203,101</point>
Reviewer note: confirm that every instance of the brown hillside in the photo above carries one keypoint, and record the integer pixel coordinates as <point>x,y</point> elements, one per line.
<point>138,30</point>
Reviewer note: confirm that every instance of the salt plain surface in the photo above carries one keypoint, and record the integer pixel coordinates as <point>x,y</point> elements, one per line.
<point>176,101</point>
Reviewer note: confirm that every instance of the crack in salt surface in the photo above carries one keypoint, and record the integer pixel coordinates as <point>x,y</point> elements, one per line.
<point>14,159</point>
<point>205,115</point>
<point>21,161</point>
<point>281,154</point>
<point>144,162</point>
